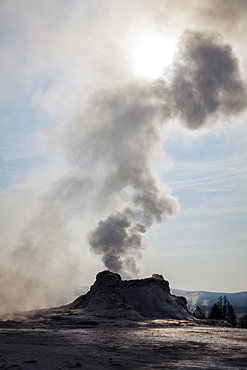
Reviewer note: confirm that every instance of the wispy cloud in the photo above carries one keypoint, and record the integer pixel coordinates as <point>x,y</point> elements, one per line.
<point>212,176</point>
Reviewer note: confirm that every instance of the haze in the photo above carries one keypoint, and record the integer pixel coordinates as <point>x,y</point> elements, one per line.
<point>123,145</point>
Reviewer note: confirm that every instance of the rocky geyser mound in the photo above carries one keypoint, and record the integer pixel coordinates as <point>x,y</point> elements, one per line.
<point>112,297</point>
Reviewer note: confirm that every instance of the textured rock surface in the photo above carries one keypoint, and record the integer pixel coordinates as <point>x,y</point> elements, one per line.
<point>113,302</point>
<point>110,296</point>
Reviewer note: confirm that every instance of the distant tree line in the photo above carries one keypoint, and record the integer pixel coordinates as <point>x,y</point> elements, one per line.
<point>221,310</point>
<point>242,322</point>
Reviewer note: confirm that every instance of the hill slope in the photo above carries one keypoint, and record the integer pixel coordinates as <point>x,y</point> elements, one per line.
<point>206,299</point>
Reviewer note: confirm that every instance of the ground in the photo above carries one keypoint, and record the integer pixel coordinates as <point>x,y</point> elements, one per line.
<point>152,345</point>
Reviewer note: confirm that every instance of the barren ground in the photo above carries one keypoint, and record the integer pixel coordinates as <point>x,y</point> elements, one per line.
<point>153,345</point>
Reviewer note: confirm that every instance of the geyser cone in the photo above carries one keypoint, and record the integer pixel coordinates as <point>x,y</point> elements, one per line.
<point>112,297</point>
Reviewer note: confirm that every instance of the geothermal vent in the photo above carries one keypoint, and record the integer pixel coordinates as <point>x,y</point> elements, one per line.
<point>112,297</point>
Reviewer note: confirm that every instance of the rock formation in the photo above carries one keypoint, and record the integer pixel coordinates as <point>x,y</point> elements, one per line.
<point>112,297</point>
<point>110,301</point>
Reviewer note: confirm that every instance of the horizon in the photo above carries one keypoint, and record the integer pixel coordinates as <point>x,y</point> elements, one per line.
<point>123,145</point>
<point>171,287</point>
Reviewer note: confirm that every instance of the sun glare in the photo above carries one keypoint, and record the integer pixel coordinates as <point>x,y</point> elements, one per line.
<point>152,55</point>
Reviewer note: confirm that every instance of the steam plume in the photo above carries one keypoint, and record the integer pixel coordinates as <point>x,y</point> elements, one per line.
<point>115,238</point>
<point>122,141</point>
<point>205,83</point>
<point>112,148</point>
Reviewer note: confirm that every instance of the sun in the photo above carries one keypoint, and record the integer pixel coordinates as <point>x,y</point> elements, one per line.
<point>153,54</point>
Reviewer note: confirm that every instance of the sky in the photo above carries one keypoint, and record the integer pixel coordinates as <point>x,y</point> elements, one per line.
<point>123,145</point>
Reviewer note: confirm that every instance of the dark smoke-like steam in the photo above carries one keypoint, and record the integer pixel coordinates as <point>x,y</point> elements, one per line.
<point>206,81</point>
<point>204,84</point>
<point>115,238</point>
<point>112,149</point>
<point>122,142</point>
